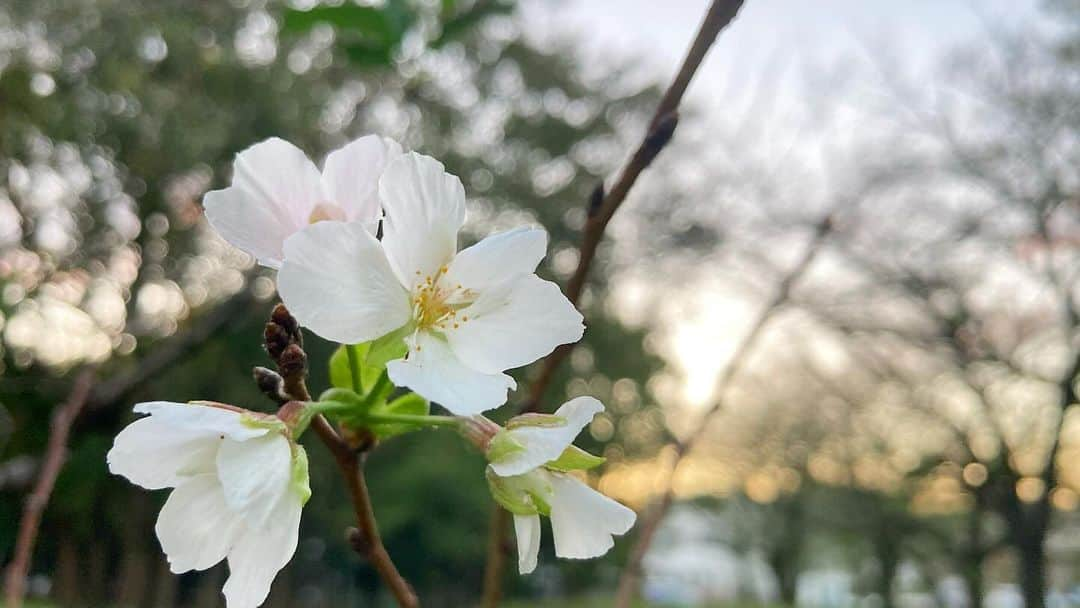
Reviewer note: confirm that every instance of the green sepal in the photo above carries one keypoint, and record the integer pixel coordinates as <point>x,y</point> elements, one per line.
<point>574,458</point>
<point>546,421</point>
<point>263,422</point>
<point>527,494</point>
<point>503,445</point>
<point>409,404</point>
<point>300,480</point>
<point>342,395</point>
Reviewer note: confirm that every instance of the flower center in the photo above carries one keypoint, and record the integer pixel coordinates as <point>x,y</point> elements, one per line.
<point>326,211</point>
<point>436,305</point>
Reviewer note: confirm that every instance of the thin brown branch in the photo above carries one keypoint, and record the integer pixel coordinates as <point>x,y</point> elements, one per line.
<point>55,455</point>
<point>601,208</point>
<point>629,581</point>
<point>284,343</point>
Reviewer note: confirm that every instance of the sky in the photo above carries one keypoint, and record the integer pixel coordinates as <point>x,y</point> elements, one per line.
<point>791,34</point>
<point>780,51</point>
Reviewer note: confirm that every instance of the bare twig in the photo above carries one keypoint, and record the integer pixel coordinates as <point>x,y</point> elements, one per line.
<point>55,455</point>
<point>601,208</point>
<point>284,342</point>
<point>631,574</point>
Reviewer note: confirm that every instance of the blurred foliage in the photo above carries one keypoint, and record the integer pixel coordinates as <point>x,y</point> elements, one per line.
<point>116,117</point>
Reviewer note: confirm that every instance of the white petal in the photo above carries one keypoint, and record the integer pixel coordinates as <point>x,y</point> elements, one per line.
<point>255,474</point>
<point>527,528</point>
<point>583,520</point>
<point>433,371</point>
<point>351,176</point>
<point>207,419</point>
<point>425,208</point>
<point>337,282</point>
<point>155,454</point>
<point>497,259</point>
<point>544,444</point>
<point>515,324</point>
<point>274,188</point>
<point>260,553</point>
<point>195,527</point>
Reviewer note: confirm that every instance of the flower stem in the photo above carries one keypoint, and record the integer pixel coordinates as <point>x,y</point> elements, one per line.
<point>410,419</point>
<point>354,367</point>
<point>377,390</point>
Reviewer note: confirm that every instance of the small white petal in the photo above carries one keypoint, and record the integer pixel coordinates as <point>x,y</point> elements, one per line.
<point>514,324</point>
<point>155,454</point>
<point>255,475</point>
<point>351,176</point>
<point>260,553</point>
<point>337,282</point>
<point>527,528</point>
<point>195,527</point>
<point>205,418</point>
<point>274,188</point>
<point>425,208</point>
<point>434,372</point>
<point>497,259</point>
<point>544,444</point>
<point>584,520</point>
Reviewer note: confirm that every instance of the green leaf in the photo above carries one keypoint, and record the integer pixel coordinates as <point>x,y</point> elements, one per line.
<point>373,359</point>
<point>369,35</point>
<point>457,26</point>
<point>574,458</point>
<point>340,375</point>
<point>389,347</point>
<point>410,404</point>
<point>369,22</point>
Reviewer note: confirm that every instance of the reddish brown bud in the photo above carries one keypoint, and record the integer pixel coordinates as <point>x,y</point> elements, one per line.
<point>270,383</point>
<point>292,361</point>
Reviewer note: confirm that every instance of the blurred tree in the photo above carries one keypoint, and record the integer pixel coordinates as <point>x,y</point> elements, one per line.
<point>116,117</point>
<point>973,299</point>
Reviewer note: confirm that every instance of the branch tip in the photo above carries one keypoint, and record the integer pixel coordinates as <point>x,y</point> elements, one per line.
<point>596,200</point>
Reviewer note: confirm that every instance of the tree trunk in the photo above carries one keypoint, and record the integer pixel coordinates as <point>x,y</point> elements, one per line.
<point>975,552</point>
<point>65,590</point>
<point>1032,550</point>
<point>888,555</point>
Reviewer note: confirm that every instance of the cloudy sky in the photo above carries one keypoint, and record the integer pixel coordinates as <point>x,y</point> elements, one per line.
<point>785,52</point>
<point>774,36</point>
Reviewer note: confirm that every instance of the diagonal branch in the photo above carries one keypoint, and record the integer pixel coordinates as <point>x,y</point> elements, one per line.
<point>55,455</point>
<point>630,578</point>
<point>602,207</point>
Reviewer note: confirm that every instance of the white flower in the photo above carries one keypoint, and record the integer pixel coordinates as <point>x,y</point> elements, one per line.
<point>240,486</point>
<point>276,191</point>
<point>582,519</point>
<point>466,316</point>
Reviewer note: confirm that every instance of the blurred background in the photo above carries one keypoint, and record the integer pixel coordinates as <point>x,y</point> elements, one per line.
<point>905,432</point>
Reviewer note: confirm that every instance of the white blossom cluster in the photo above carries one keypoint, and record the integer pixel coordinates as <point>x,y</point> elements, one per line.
<point>367,249</point>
